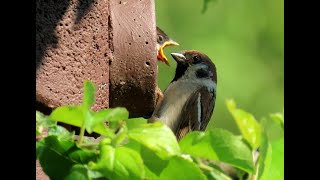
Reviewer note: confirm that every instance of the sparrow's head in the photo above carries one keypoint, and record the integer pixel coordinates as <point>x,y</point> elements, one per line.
<point>194,65</point>
<point>163,41</point>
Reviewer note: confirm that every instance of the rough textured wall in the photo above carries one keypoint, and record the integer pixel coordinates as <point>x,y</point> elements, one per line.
<point>99,40</point>
<point>134,67</point>
<point>79,40</point>
<point>72,45</point>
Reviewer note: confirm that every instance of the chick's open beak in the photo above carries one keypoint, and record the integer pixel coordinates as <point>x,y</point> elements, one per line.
<point>161,55</point>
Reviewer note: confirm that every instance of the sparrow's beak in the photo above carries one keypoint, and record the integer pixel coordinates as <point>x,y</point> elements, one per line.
<point>161,55</point>
<point>180,58</point>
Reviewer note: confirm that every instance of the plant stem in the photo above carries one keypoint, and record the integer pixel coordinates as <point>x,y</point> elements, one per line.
<point>81,133</point>
<point>256,158</point>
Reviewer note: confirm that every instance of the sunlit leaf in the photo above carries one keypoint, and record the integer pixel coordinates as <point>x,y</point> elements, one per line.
<point>180,168</point>
<point>248,125</point>
<point>135,122</point>
<point>274,161</point>
<point>119,163</point>
<point>221,145</point>
<point>73,115</point>
<point>68,114</point>
<point>157,137</point>
<point>78,172</point>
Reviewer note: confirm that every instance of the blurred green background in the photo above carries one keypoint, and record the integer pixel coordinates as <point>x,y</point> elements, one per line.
<point>245,41</point>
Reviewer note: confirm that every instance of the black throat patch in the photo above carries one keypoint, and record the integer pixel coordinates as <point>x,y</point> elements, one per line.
<point>181,69</point>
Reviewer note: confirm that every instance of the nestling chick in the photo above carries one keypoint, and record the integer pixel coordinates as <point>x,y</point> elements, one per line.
<point>163,40</point>
<point>189,99</point>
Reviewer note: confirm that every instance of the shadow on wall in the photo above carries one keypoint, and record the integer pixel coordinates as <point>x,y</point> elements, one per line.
<point>48,15</point>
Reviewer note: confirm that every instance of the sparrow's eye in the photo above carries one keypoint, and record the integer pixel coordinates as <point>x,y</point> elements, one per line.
<point>196,59</point>
<point>160,38</point>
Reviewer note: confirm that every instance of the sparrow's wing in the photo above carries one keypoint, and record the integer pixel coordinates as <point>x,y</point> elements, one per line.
<point>197,112</point>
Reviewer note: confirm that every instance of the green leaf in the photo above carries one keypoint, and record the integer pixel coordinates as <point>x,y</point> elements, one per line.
<point>116,116</point>
<point>82,156</point>
<point>153,162</point>
<point>53,160</point>
<point>98,119</point>
<point>68,114</point>
<point>180,168</point>
<point>95,122</point>
<point>275,168</point>
<point>134,145</point>
<point>57,156</point>
<point>135,122</point>
<point>129,165</point>
<point>265,154</point>
<point>119,163</point>
<point>78,172</point>
<point>121,137</point>
<point>218,144</point>
<point>154,165</point>
<point>249,127</point>
<point>106,160</point>
<point>61,133</point>
<point>277,159</point>
<point>88,95</point>
<point>278,118</point>
<point>89,143</point>
<point>157,137</point>
<point>103,130</point>
<point>73,115</point>
<point>42,122</point>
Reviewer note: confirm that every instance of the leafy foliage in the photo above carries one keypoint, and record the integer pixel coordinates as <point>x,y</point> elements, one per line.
<point>134,149</point>
<point>219,145</point>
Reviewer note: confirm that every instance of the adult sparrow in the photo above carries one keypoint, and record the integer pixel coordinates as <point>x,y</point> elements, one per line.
<point>189,100</point>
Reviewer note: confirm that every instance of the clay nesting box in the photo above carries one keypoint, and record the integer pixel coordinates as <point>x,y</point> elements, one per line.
<point>110,42</point>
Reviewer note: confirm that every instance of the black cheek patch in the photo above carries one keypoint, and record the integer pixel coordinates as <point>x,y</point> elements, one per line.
<point>201,73</point>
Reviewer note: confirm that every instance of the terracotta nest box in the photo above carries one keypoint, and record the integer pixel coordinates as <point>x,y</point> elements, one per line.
<point>112,43</point>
